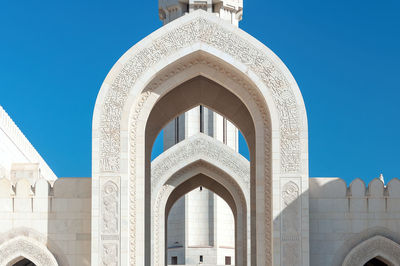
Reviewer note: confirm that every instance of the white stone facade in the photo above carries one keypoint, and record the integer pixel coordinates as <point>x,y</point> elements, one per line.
<point>119,215</point>
<point>49,225</point>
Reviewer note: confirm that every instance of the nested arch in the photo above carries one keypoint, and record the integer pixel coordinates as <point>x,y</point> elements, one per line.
<point>374,247</point>
<point>201,90</point>
<point>225,179</point>
<point>200,147</point>
<point>237,207</point>
<point>242,65</point>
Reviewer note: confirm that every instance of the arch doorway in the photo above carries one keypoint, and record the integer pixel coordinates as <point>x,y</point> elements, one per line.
<point>201,169</point>
<point>23,262</point>
<point>377,261</point>
<point>208,241</point>
<point>375,251</point>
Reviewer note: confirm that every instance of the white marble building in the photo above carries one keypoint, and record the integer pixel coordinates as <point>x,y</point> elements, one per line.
<point>200,201</point>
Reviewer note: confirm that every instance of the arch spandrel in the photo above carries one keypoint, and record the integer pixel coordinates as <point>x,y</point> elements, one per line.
<point>123,103</point>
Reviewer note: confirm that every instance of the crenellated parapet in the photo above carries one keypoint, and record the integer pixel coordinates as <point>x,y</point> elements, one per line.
<point>58,211</point>
<point>17,155</point>
<point>45,196</point>
<point>330,194</point>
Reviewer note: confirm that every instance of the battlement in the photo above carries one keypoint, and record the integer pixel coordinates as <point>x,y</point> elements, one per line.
<point>44,196</point>
<point>333,195</point>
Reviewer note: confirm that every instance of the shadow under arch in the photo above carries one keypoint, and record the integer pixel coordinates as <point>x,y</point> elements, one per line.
<point>198,166</point>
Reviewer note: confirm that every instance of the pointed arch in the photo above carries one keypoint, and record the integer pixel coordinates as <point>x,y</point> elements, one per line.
<point>377,246</point>
<point>198,44</point>
<point>201,160</point>
<point>24,247</point>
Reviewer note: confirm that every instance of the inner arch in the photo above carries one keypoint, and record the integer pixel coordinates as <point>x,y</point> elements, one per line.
<point>203,180</point>
<point>200,91</point>
<point>203,91</point>
<point>377,261</point>
<point>22,262</point>
<point>195,182</point>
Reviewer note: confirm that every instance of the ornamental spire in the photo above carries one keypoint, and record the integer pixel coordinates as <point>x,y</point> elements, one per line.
<point>229,10</point>
<point>381,178</point>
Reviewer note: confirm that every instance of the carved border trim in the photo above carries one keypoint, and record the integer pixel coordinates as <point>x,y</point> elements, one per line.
<point>370,248</point>
<point>200,30</point>
<point>28,248</point>
<point>204,147</point>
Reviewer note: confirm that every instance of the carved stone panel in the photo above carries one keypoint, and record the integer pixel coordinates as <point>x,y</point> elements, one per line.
<point>110,222</point>
<point>291,225</point>
<point>201,30</point>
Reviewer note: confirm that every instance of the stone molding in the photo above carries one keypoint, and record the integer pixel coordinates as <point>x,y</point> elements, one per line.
<point>8,126</point>
<point>28,248</point>
<point>371,248</point>
<point>206,148</point>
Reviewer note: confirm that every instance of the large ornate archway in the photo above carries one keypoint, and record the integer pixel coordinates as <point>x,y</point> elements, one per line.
<point>198,44</point>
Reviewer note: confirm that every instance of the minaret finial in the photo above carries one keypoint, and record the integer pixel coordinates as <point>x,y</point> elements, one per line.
<point>229,10</point>
<point>381,178</point>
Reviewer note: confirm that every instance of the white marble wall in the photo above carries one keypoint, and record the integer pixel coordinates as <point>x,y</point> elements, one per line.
<point>59,214</point>
<point>342,217</point>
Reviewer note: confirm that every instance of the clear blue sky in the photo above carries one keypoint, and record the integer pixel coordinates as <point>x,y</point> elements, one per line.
<point>344,55</point>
